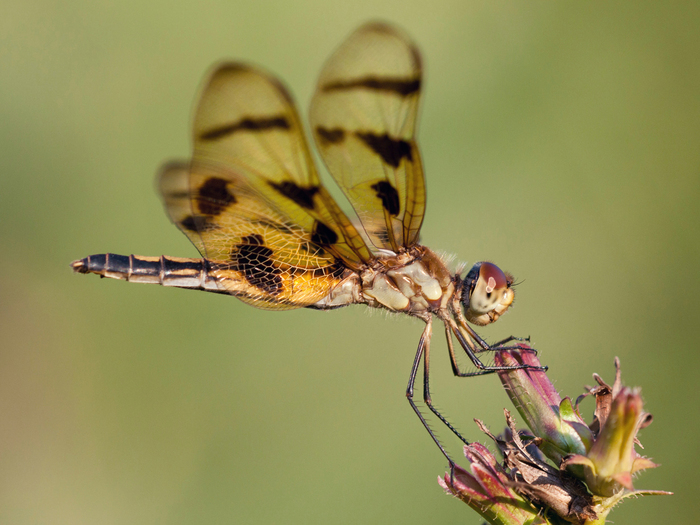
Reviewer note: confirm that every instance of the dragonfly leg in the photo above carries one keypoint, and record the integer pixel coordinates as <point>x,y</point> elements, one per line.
<point>470,349</point>
<point>426,394</point>
<point>421,354</point>
<point>512,338</point>
<point>501,345</point>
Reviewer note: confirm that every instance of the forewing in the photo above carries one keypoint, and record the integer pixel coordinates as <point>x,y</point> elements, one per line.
<point>254,250</point>
<point>363,117</point>
<point>247,127</point>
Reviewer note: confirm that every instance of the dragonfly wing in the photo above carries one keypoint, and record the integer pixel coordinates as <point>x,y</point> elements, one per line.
<point>363,118</point>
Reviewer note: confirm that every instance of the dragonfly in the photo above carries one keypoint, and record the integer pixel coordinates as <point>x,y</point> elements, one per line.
<point>251,201</point>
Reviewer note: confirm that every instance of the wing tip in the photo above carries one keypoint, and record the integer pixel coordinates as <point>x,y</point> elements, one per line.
<point>379,26</point>
<point>383,27</point>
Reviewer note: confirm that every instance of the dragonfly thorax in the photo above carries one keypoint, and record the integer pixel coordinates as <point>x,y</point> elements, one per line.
<point>414,282</point>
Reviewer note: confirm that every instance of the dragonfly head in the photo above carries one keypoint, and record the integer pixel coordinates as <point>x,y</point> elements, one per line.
<point>487,293</point>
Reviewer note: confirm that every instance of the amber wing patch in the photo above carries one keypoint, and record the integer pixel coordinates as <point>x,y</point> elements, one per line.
<point>254,249</point>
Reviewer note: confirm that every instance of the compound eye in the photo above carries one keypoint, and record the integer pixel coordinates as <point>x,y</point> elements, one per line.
<point>490,290</point>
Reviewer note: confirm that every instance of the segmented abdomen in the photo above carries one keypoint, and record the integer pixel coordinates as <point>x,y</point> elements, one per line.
<point>167,271</point>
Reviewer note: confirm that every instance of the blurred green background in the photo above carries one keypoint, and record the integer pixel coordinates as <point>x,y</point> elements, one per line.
<point>561,140</point>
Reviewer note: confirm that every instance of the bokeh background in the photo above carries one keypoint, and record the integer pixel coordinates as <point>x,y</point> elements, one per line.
<point>561,140</point>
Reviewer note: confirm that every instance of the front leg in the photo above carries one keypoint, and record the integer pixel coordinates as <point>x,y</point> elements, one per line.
<point>470,348</point>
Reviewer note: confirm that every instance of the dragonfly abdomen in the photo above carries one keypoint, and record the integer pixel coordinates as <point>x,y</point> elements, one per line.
<point>179,272</point>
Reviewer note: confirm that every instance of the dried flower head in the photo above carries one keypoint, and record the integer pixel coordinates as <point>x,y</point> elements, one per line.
<point>564,471</point>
